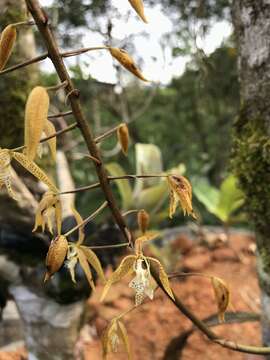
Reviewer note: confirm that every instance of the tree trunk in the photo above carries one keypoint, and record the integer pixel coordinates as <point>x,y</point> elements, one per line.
<point>251,156</point>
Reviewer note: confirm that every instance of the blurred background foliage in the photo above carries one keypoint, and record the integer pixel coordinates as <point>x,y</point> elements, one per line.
<point>188,121</point>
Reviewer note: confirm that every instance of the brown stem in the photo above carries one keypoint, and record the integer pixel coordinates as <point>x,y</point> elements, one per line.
<point>106,134</point>
<point>25,63</point>
<point>67,113</point>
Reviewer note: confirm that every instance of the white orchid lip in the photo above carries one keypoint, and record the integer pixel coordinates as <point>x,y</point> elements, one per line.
<point>141,283</point>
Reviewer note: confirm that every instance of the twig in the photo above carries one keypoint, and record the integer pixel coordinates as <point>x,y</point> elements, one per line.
<point>89,218</point>
<point>60,132</point>
<point>82,51</point>
<point>112,178</point>
<point>108,246</point>
<point>25,63</point>
<point>106,134</point>
<point>61,114</point>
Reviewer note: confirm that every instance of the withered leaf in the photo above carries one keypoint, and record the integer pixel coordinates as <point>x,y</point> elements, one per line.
<point>143,219</point>
<point>79,220</point>
<point>123,269</point>
<point>126,60</point>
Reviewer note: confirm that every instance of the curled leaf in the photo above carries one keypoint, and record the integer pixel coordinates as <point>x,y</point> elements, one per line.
<point>163,277</point>
<point>36,112</point>
<point>35,170</point>
<point>49,211</point>
<point>94,261</point>
<point>7,42</point>
<point>49,130</point>
<point>126,60</point>
<point>139,8</point>
<point>123,269</point>
<point>222,296</point>
<point>85,266</point>
<point>56,255</point>
<point>180,190</point>
<point>123,137</point>
<point>143,219</point>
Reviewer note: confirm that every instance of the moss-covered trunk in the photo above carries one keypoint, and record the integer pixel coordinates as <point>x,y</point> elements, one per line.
<point>251,158</point>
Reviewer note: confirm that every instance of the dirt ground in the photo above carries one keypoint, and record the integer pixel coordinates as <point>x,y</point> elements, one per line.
<point>152,326</point>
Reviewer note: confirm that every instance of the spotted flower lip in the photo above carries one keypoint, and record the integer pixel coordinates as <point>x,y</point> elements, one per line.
<point>141,283</point>
<point>5,172</point>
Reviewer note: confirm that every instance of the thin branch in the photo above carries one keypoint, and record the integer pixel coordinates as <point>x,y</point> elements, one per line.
<point>89,218</point>
<point>60,132</point>
<point>112,178</point>
<point>82,51</point>
<point>108,246</point>
<point>25,63</point>
<point>106,134</point>
<point>61,114</point>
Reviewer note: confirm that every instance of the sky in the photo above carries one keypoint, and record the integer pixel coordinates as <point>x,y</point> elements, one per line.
<point>160,70</point>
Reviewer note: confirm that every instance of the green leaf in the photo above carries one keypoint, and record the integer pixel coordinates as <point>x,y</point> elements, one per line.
<point>230,199</point>
<point>207,195</point>
<point>124,187</point>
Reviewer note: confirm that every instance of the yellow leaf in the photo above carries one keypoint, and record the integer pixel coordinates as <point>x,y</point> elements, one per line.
<point>35,170</point>
<point>222,296</point>
<point>126,60</point>
<point>173,203</point>
<point>7,42</point>
<point>36,112</point>
<point>5,172</point>
<point>56,255</point>
<point>49,130</point>
<point>85,266</point>
<point>123,269</point>
<point>163,277</point>
<point>124,336</point>
<point>123,137</point>
<point>139,8</point>
<point>94,261</point>
<point>79,220</point>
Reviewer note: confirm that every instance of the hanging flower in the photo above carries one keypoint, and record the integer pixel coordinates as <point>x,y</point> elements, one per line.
<point>49,212</point>
<point>180,191</point>
<point>112,337</point>
<point>5,172</point>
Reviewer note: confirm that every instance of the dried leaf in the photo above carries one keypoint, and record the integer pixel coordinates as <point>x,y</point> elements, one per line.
<point>123,137</point>
<point>49,130</point>
<point>123,269</point>
<point>7,42</point>
<point>182,189</point>
<point>36,112</point>
<point>139,8</point>
<point>122,331</point>
<point>143,219</point>
<point>79,220</point>
<point>222,296</point>
<point>85,266</point>
<point>94,261</point>
<point>56,255</point>
<point>126,60</point>
<point>163,277</point>
<point>35,170</point>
